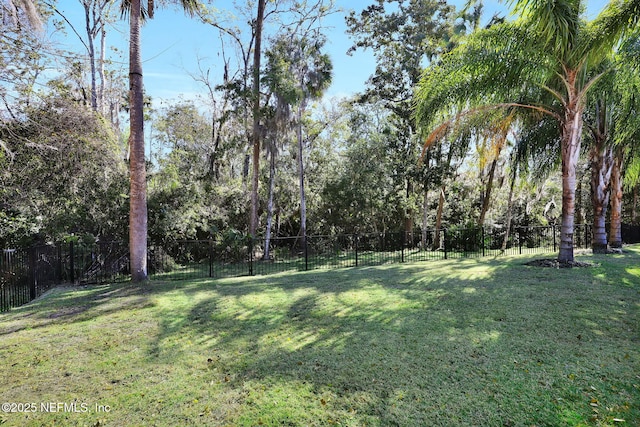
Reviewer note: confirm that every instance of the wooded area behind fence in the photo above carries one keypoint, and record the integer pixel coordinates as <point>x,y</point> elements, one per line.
<point>26,273</point>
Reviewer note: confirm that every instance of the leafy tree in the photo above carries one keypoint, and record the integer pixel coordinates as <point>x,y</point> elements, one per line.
<point>96,15</point>
<point>67,175</point>
<point>250,103</point>
<point>403,35</point>
<point>184,202</point>
<point>361,195</point>
<point>550,46</point>
<point>298,72</point>
<point>255,134</point>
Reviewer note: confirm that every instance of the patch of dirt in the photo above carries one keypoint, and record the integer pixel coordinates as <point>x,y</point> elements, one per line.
<point>554,263</point>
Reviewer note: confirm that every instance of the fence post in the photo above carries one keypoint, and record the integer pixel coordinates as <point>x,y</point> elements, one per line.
<point>306,253</point>
<point>520,240</point>
<point>72,264</point>
<point>33,279</point>
<point>356,250</point>
<point>403,236</point>
<point>444,242</point>
<point>251,256</point>
<point>59,263</point>
<point>553,230</point>
<point>587,234</point>
<point>210,258</point>
<point>482,242</point>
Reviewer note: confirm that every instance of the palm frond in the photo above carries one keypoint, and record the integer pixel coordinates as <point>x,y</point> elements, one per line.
<point>558,22</point>
<point>190,7</point>
<point>493,66</point>
<point>618,20</point>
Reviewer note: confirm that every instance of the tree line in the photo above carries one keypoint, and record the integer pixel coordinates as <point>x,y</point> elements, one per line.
<point>466,120</point>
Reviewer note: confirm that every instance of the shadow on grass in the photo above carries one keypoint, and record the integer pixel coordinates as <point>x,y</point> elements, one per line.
<point>458,342</point>
<point>471,342</point>
<point>76,304</point>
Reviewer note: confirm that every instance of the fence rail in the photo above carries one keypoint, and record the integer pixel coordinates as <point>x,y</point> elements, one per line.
<point>26,274</point>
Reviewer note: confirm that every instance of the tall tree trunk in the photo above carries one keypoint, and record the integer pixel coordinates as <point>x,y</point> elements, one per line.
<point>425,219</point>
<point>486,192</point>
<point>601,165</point>
<point>436,239</point>
<point>255,136</point>
<point>303,199</point>
<point>92,56</point>
<point>441,200</point>
<point>138,173</point>
<point>103,44</point>
<point>571,132</point>
<point>507,230</point>
<point>615,230</point>
<point>272,186</point>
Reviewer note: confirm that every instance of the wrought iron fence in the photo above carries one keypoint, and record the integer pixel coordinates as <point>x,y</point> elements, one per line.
<point>27,273</point>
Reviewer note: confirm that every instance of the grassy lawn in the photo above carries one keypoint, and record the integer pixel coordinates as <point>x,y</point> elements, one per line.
<point>486,342</point>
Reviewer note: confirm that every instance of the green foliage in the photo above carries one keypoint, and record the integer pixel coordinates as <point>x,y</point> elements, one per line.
<point>67,175</point>
<point>404,36</point>
<point>188,196</point>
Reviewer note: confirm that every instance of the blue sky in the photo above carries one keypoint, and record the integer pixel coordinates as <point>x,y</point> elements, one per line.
<point>172,44</point>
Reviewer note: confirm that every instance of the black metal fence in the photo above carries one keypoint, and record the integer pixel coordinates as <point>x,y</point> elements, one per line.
<point>27,273</point>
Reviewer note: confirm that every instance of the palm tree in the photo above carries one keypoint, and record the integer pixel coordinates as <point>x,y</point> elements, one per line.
<point>626,139</point>
<point>610,118</point>
<point>599,122</point>
<point>550,47</point>
<point>298,72</point>
<point>137,166</point>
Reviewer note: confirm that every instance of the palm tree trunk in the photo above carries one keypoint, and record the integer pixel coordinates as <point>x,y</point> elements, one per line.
<point>441,200</point>
<point>138,173</point>
<point>601,165</point>
<point>570,148</point>
<point>615,230</point>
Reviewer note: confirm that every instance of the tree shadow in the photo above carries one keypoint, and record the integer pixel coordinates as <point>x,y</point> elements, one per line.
<point>71,304</point>
<point>457,342</point>
<point>395,345</point>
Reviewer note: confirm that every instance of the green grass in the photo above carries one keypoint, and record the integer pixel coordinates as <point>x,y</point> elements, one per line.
<point>486,342</point>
